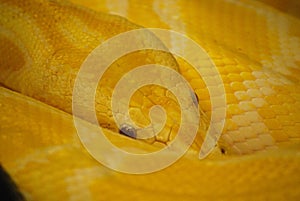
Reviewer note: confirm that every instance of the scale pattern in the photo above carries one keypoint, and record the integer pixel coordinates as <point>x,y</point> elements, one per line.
<point>255,48</point>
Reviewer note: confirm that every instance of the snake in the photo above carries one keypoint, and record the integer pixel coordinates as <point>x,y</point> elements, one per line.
<point>254,46</point>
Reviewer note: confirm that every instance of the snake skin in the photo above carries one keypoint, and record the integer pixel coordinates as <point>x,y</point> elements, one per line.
<point>255,48</point>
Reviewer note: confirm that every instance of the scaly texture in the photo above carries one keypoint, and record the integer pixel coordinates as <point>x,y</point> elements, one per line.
<point>255,49</point>
<point>61,37</point>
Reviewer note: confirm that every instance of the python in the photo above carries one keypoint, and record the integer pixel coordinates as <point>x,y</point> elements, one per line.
<point>257,156</point>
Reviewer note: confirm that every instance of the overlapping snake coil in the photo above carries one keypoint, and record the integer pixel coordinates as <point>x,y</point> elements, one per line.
<point>255,47</point>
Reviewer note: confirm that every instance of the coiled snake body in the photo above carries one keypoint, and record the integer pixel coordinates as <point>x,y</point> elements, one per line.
<point>254,47</point>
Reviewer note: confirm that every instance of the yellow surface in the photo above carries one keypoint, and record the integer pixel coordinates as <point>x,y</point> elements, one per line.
<point>255,48</point>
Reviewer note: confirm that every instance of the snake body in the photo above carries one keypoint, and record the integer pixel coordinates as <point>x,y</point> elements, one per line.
<point>255,49</point>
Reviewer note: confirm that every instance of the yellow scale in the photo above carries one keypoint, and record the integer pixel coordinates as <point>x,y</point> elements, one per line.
<point>255,48</point>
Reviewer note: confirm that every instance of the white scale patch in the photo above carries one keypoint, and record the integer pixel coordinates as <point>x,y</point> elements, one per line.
<point>78,183</point>
<point>118,7</point>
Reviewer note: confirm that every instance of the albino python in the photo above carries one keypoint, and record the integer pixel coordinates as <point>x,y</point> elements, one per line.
<point>255,47</point>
